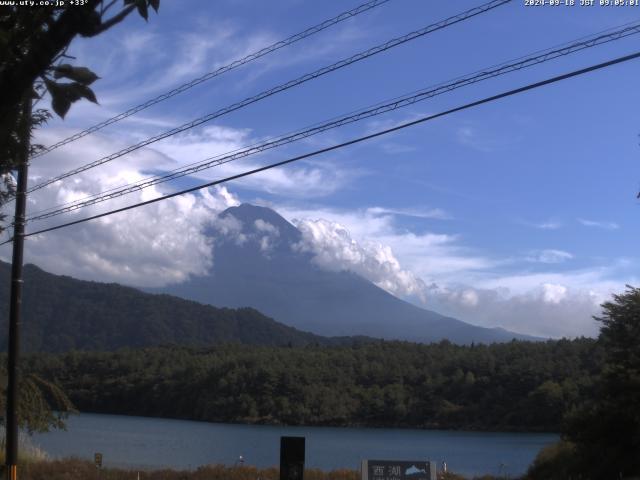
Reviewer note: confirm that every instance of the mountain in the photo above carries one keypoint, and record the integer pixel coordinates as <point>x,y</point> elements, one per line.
<point>256,264</point>
<point>61,313</point>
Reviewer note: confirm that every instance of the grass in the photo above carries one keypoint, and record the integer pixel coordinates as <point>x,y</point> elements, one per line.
<point>76,469</point>
<point>27,452</point>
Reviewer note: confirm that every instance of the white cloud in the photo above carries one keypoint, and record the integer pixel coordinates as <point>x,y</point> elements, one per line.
<point>548,310</point>
<point>138,63</point>
<point>547,225</point>
<point>430,254</point>
<point>550,256</point>
<point>359,240</point>
<point>552,293</point>
<point>156,62</point>
<point>266,227</point>
<point>469,298</point>
<point>595,224</point>
<point>395,148</point>
<point>458,281</point>
<point>548,304</point>
<point>342,42</point>
<point>267,233</point>
<point>306,179</point>
<point>466,136</point>
<point>482,141</point>
<point>427,213</point>
<point>150,246</point>
<point>220,199</point>
<point>138,45</point>
<point>392,120</point>
<point>230,228</point>
<point>161,243</point>
<point>334,249</point>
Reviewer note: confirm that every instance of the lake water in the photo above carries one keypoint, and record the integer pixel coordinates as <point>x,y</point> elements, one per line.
<point>154,442</point>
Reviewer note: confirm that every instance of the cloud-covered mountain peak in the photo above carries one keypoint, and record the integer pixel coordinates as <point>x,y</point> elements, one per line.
<point>261,260</point>
<point>252,221</point>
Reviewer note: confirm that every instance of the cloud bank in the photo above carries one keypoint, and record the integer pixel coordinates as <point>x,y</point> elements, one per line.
<point>334,249</point>
<point>438,272</point>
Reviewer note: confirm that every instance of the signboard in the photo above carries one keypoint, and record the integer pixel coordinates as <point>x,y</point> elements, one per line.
<point>98,459</point>
<point>398,470</point>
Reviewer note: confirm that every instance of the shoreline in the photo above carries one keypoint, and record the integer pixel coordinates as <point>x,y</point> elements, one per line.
<point>424,427</point>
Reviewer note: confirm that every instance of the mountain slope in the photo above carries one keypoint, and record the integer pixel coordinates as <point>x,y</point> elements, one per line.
<point>61,313</point>
<point>258,265</point>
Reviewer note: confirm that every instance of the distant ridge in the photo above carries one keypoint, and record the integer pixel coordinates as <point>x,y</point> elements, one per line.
<point>61,313</point>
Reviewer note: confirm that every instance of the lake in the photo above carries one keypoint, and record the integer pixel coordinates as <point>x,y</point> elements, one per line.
<point>140,442</point>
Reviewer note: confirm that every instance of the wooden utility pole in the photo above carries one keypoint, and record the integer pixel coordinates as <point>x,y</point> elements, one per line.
<point>11,458</point>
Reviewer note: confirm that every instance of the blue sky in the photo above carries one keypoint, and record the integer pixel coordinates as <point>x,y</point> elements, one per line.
<point>520,213</point>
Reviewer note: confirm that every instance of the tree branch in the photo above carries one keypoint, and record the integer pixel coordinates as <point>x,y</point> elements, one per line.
<point>112,21</point>
<point>105,9</point>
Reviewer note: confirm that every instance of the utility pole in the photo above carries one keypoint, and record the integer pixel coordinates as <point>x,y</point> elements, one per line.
<point>11,458</point>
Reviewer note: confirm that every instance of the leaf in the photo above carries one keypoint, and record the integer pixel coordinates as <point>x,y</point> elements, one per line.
<point>64,94</point>
<point>84,75</point>
<point>155,4</point>
<point>78,74</point>
<point>62,70</point>
<point>91,25</point>
<point>83,91</point>
<point>61,105</point>
<point>53,87</point>
<point>142,9</point>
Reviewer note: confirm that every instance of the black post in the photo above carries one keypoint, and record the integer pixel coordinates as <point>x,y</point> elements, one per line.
<point>292,458</point>
<point>11,459</point>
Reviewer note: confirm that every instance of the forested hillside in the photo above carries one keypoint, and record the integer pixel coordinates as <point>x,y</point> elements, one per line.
<point>512,386</point>
<point>61,313</point>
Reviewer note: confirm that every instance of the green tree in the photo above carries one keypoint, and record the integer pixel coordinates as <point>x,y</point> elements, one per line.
<point>606,430</point>
<point>33,47</point>
<point>42,404</point>
<point>555,462</point>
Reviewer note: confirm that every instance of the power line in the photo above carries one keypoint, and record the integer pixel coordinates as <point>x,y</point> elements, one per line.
<point>219,71</point>
<point>378,109</point>
<point>508,93</point>
<point>285,86</point>
<point>604,36</point>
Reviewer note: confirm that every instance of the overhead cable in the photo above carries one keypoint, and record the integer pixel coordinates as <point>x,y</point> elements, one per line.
<point>217,72</point>
<point>285,86</point>
<point>380,133</point>
<point>378,109</point>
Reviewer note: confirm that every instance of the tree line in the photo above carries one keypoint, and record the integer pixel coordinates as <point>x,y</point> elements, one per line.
<point>526,386</point>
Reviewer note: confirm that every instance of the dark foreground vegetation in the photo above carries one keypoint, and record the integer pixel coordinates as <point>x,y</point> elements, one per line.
<point>601,436</point>
<point>513,386</point>
<point>73,469</point>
